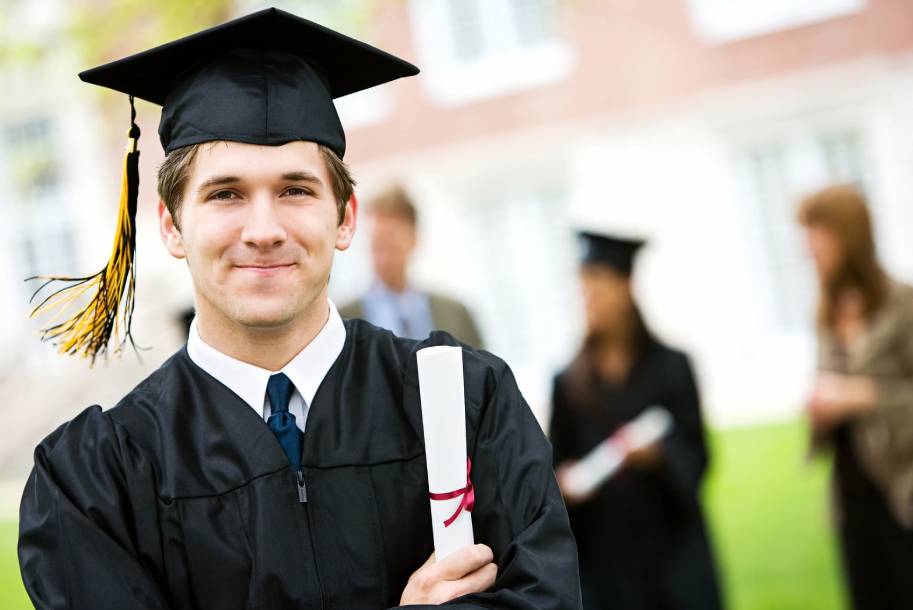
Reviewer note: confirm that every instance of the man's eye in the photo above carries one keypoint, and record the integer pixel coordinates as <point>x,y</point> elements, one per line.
<point>224,195</point>
<point>297,191</point>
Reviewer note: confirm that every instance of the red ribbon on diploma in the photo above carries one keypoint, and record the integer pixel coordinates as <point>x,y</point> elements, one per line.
<point>468,493</point>
<point>623,441</point>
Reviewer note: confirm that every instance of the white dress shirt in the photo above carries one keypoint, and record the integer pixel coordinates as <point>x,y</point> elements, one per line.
<point>306,370</point>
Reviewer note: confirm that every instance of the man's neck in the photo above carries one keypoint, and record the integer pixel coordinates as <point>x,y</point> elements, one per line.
<point>269,348</point>
<point>395,284</point>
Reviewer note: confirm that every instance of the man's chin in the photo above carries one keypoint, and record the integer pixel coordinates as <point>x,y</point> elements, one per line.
<point>261,319</point>
<point>264,312</point>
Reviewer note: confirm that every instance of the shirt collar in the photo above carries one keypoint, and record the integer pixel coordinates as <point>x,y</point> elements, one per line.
<point>306,370</point>
<point>380,290</point>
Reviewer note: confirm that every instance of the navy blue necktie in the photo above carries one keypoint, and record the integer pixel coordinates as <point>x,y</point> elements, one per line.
<point>279,389</point>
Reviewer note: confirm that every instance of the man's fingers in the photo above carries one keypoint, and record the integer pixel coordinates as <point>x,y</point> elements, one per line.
<point>482,579</point>
<point>463,562</point>
<point>478,581</point>
<point>469,570</point>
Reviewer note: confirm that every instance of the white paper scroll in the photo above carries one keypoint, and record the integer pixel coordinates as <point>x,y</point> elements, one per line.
<point>607,457</point>
<point>440,378</point>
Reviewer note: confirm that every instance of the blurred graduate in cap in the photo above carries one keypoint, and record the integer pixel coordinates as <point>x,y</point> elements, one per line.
<point>641,534</point>
<point>277,461</point>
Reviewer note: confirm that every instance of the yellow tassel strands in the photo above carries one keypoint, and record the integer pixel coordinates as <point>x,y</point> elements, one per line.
<point>108,313</point>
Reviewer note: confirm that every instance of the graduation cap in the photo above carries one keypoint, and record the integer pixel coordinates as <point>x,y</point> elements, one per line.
<point>616,252</point>
<point>267,78</point>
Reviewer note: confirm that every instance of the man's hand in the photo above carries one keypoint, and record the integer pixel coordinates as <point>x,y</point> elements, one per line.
<point>469,570</point>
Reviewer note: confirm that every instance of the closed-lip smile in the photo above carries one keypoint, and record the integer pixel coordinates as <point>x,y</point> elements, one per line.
<point>266,268</point>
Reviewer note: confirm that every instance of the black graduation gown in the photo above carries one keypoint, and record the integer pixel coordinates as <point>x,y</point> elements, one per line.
<point>181,497</point>
<point>641,537</point>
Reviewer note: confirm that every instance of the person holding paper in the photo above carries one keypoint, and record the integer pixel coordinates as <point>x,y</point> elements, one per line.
<point>641,535</point>
<point>861,406</point>
<point>277,461</point>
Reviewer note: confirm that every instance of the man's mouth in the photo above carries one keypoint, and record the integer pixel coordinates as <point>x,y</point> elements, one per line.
<point>266,269</point>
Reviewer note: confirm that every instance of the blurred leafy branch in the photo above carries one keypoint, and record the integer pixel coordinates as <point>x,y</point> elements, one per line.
<point>87,33</point>
<point>96,31</point>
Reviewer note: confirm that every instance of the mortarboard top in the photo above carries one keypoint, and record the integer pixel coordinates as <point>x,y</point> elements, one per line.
<point>266,78</point>
<point>616,252</point>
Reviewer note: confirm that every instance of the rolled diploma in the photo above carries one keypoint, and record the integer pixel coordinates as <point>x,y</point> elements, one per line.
<point>440,380</point>
<point>607,457</point>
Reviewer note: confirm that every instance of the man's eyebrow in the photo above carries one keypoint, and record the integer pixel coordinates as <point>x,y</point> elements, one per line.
<point>302,176</point>
<point>217,181</point>
<point>297,176</point>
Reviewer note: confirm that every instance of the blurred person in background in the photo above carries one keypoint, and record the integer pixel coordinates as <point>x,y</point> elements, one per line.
<point>862,401</point>
<point>641,536</point>
<point>391,302</point>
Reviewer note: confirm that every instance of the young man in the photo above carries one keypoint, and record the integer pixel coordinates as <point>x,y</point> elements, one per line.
<point>391,302</point>
<point>277,461</point>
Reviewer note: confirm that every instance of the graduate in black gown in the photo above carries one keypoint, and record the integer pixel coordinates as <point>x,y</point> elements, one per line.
<point>641,536</point>
<point>203,488</point>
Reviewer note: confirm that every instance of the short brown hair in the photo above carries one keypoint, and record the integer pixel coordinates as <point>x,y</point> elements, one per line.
<point>394,201</point>
<point>175,171</point>
<point>842,210</point>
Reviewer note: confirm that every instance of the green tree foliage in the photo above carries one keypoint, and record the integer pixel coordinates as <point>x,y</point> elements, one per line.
<point>100,30</point>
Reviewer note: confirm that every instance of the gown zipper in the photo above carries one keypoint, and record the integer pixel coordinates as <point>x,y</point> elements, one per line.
<point>302,488</point>
<point>303,498</point>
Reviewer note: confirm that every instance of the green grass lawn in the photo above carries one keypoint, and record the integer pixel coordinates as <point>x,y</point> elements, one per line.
<point>12,595</point>
<point>767,510</point>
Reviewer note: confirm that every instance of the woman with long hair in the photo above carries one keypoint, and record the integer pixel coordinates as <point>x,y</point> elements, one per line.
<point>862,402</point>
<point>641,538</point>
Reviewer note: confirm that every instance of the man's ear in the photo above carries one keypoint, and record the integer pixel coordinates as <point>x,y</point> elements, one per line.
<point>169,232</point>
<point>345,232</point>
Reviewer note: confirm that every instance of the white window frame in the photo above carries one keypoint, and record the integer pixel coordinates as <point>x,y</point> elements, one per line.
<point>506,67</point>
<point>800,155</point>
<point>722,21</point>
<point>42,222</point>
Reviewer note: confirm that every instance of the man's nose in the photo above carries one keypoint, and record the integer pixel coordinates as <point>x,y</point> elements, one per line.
<point>263,227</point>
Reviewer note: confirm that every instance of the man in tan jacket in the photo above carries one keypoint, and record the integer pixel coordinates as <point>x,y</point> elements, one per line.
<point>391,302</point>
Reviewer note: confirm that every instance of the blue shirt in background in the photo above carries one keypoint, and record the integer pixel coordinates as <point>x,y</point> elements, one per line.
<point>407,313</point>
